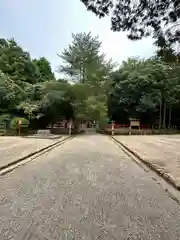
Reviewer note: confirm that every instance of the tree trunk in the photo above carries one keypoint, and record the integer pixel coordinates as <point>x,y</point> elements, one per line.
<point>80,74</point>
<point>160,113</point>
<point>164,115</point>
<point>83,73</point>
<point>170,114</point>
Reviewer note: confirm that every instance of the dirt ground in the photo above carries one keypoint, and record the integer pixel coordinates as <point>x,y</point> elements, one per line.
<point>13,148</point>
<point>161,152</point>
<point>87,188</point>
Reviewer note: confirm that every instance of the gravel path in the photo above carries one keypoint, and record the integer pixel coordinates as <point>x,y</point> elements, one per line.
<point>160,151</point>
<point>13,148</point>
<point>85,189</point>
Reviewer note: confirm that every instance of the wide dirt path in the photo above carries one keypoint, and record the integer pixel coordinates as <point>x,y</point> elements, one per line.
<point>85,189</point>
<point>162,152</point>
<point>13,148</point>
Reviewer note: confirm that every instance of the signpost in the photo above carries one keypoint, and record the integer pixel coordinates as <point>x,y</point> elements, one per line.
<point>133,123</point>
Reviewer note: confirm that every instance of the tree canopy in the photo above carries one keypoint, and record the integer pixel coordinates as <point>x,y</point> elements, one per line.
<point>44,67</point>
<point>90,71</point>
<point>81,57</point>
<point>140,18</point>
<point>28,88</point>
<point>145,89</point>
<point>148,89</point>
<point>23,87</point>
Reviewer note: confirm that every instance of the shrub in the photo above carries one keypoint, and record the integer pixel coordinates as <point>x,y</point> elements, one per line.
<point>4,120</point>
<point>15,121</point>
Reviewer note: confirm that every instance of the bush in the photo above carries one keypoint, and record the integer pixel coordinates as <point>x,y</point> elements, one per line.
<point>5,120</point>
<point>15,121</point>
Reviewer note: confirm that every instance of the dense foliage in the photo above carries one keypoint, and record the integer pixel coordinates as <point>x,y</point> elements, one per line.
<point>15,123</point>
<point>148,89</point>
<point>28,88</point>
<point>90,72</point>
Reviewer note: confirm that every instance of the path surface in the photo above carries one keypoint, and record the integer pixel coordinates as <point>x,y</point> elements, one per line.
<point>85,189</point>
<point>13,148</point>
<point>161,151</point>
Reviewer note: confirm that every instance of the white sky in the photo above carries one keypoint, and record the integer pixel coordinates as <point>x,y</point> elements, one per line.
<point>44,28</point>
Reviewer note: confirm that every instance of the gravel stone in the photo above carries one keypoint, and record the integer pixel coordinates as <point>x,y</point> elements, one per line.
<point>86,189</point>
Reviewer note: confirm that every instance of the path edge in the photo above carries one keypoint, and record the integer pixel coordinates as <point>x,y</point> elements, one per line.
<point>162,174</point>
<point>34,153</point>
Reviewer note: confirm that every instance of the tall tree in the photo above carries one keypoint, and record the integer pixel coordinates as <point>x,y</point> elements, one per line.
<point>81,56</point>
<point>142,88</point>
<point>16,63</point>
<point>166,53</point>
<point>89,68</point>
<point>45,70</point>
<point>27,88</point>
<point>10,93</point>
<point>56,101</point>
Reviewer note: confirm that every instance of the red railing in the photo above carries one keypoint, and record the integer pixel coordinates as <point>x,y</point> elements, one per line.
<point>116,126</point>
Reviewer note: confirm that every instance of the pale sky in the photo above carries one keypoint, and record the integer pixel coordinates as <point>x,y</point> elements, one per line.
<point>44,28</point>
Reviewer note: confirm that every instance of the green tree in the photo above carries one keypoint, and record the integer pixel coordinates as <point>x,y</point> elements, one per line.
<point>81,56</point>
<point>91,72</point>
<point>16,63</point>
<point>10,93</point>
<point>45,70</point>
<point>56,101</point>
<point>15,123</point>
<point>147,89</point>
<point>142,88</point>
<point>95,109</point>
<point>28,89</point>
<point>166,54</point>
<point>80,95</point>
<point>87,107</point>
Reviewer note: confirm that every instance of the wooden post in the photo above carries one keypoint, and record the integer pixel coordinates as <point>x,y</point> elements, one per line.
<point>112,128</point>
<point>70,127</point>
<point>19,126</point>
